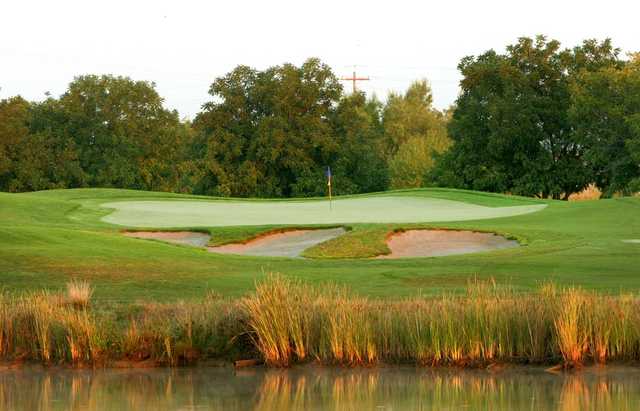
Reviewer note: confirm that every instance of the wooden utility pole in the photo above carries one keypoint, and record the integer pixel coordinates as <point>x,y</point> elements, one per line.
<point>354,78</point>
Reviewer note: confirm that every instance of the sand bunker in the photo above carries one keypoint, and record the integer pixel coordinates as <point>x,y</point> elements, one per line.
<point>411,243</point>
<point>285,244</point>
<point>176,237</point>
<point>434,243</point>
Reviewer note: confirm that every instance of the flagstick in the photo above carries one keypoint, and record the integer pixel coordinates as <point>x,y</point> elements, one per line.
<point>330,203</point>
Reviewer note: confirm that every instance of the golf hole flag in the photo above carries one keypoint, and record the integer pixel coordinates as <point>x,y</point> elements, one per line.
<point>328,174</point>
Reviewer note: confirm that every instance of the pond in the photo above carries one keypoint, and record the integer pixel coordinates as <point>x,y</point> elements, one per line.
<point>319,388</point>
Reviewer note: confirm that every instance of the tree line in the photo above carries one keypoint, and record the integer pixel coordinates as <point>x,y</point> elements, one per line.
<point>537,120</point>
<point>264,133</point>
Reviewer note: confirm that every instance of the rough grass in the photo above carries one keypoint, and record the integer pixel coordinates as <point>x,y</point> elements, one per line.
<point>44,327</point>
<point>292,322</point>
<point>287,322</point>
<point>79,293</point>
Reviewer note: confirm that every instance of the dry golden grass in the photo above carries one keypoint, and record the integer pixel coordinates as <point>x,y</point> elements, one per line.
<point>590,193</point>
<point>79,293</point>
<point>489,324</point>
<point>287,321</point>
<point>570,327</point>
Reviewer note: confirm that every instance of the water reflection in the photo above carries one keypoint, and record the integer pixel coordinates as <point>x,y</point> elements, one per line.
<point>310,388</point>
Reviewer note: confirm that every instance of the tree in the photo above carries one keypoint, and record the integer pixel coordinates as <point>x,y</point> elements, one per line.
<point>360,166</point>
<point>605,107</point>
<point>14,130</point>
<point>61,164</point>
<point>414,132</point>
<point>511,127</point>
<point>124,135</point>
<point>268,133</point>
<point>31,156</point>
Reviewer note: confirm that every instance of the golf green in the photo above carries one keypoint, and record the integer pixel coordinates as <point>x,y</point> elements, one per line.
<point>380,209</point>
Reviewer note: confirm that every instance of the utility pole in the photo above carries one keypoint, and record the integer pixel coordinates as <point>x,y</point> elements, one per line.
<point>354,78</point>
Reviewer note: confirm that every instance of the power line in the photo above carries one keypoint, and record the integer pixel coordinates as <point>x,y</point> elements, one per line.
<point>354,78</point>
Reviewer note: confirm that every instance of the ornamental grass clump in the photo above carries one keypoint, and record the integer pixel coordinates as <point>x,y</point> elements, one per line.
<point>280,316</point>
<point>79,293</point>
<point>41,326</point>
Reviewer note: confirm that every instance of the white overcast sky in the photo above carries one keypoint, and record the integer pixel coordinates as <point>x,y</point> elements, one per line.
<point>184,45</point>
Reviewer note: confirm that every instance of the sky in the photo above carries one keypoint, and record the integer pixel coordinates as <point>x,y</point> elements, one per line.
<point>184,45</point>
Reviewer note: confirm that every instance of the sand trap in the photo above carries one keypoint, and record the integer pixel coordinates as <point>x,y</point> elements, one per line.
<point>286,244</point>
<point>411,243</point>
<point>176,237</point>
<point>434,243</point>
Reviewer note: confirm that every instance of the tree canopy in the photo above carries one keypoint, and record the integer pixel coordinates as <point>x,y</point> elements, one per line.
<point>414,131</point>
<point>606,112</point>
<point>512,128</point>
<point>535,120</point>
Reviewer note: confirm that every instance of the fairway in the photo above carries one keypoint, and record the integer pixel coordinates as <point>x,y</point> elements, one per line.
<point>352,210</point>
<point>49,237</point>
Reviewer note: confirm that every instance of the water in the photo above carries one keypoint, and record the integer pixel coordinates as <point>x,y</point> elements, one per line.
<point>314,388</point>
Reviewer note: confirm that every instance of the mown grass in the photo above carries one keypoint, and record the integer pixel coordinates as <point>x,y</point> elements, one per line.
<point>362,242</point>
<point>48,238</point>
<point>287,322</point>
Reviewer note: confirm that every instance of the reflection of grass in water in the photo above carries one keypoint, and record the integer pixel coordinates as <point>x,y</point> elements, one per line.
<point>411,390</point>
<point>577,394</point>
<point>327,389</point>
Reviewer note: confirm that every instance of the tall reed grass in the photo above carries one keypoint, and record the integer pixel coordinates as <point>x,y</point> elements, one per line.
<point>47,327</point>
<point>291,322</point>
<point>286,321</point>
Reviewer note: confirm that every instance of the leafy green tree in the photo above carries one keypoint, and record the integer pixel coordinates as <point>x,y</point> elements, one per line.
<point>605,110</point>
<point>511,127</point>
<point>361,165</point>
<point>61,165</point>
<point>31,156</point>
<point>124,135</point>
<point>414,132</point>
<point>268,133</point>
<point>14,130</point>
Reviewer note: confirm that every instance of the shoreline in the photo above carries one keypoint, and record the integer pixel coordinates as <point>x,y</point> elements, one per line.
<point>492,369</point>
<point>285,323</point>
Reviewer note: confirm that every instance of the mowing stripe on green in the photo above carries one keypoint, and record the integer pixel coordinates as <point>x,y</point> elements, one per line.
<point>295,212</point>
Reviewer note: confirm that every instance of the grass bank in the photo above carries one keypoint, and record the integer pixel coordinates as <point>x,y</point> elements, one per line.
<point>286,322</point>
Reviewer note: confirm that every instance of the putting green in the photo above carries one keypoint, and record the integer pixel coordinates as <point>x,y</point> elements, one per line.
<point>381,209</point>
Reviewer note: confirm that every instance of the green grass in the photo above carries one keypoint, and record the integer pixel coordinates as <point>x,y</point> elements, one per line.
<point>47,238</point>
<point>375,209</point>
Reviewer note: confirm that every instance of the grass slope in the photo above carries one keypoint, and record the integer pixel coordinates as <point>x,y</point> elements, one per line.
<point>48,237</point>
